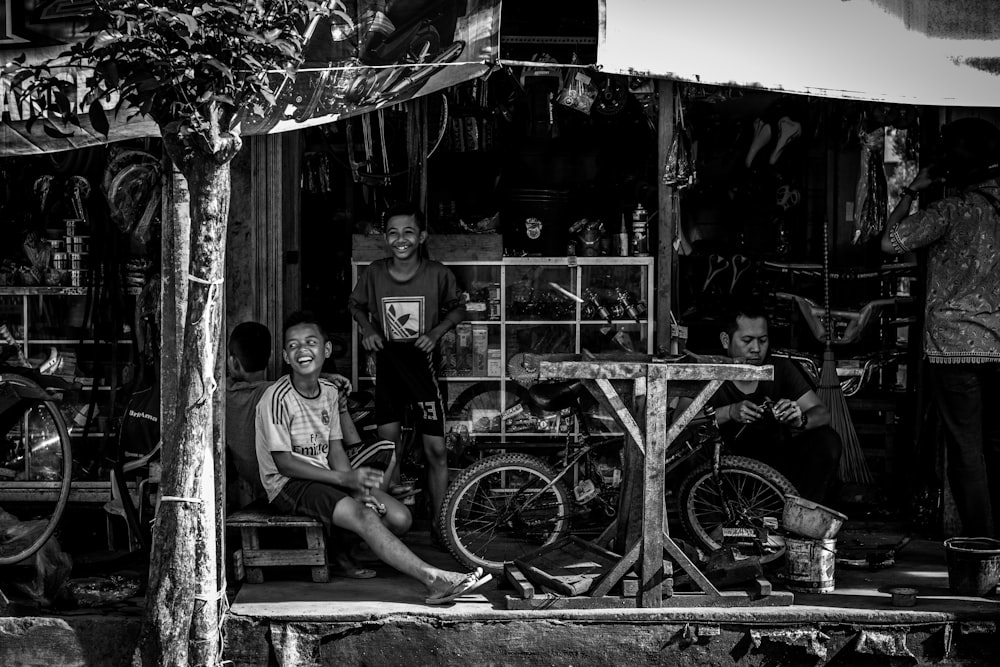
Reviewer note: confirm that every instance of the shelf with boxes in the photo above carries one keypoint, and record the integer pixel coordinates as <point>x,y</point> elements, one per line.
<point>541,305</point>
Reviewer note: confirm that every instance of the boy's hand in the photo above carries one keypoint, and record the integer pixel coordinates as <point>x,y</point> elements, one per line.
<point>373,342</point>
<point>787,412</point>
<point>342,384</point>
<point>427,342</point>
<point>364,479</point>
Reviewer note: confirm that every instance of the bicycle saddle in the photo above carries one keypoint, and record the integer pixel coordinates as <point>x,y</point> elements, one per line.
<point>556,396</point>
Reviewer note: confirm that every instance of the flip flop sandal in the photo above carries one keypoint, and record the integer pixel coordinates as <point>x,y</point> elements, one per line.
<point>352,573</point>
<point>469,583</point>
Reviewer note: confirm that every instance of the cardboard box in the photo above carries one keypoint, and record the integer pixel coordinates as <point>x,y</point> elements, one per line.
<point>480,348</point>
<point>494,362</point>
<point>463,348</point>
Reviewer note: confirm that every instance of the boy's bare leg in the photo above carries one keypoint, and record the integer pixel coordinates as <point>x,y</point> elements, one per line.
<point>437,472</point>
<point>355,517</point>
<point>393,431</point>
<point>397,517</point>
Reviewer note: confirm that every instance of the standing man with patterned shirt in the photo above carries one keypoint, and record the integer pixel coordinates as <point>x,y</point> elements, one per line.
<point>962,314</point>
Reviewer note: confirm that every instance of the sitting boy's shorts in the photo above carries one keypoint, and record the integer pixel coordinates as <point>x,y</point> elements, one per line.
<point>405,376</point>
<point>308,498</point>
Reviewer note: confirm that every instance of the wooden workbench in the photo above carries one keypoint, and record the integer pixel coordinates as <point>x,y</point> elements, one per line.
<point>648,436</point>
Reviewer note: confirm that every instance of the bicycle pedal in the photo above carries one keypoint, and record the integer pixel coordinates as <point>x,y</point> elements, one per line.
<point>585,491</point>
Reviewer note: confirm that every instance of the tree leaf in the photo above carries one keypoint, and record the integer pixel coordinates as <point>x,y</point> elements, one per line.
<point>109,70</point>
<point>54,132</point>
<point>189,22</point>
<point>98,118</point>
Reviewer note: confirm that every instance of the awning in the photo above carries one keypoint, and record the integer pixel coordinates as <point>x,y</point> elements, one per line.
<point>933,52</point>
<point>433,48</point>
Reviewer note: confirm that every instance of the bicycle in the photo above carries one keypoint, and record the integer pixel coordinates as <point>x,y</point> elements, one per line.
<point>35,446</point>
<point>507,505</point>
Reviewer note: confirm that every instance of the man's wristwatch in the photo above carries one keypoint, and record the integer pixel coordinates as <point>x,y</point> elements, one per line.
<point>805,420</point>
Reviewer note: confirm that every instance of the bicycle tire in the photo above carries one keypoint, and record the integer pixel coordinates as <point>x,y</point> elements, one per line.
<point>479,532</point>
<point>759,492</point>
<point>488,396</point>
<point>29,548</point>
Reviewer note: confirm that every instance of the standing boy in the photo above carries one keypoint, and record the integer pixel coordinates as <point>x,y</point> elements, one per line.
<point>403,304</point>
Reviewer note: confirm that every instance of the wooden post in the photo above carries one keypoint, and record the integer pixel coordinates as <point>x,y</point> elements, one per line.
<point>665,229</point>
<point>651,581</point>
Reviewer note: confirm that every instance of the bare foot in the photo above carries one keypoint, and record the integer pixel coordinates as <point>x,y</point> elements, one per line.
<point>447,586</point>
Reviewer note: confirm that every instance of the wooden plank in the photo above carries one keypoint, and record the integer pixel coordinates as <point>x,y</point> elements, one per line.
<point>603,585</point>
<point>692,570</point>
<point>513,576</point>
<point>548,601</point>
<point>442,247</point>
<point>725,599</point>
<point>651,573</point>
<point>265,519</point>
<point>682,420</point>
<point>275,557</point>
<point>569,566</point>
<point>611,370</point>
<point>315,542</point>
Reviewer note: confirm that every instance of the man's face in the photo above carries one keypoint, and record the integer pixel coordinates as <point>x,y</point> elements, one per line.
<point>305,350</point>
<point>403,236</point>
<point>748,344</point>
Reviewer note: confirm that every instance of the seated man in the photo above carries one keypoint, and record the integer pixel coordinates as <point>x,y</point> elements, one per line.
<point>249,353</point>
<point>781,422</point>
<point>305,471</point>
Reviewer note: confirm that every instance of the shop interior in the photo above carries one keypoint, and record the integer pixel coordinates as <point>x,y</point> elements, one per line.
<point>774,196</point>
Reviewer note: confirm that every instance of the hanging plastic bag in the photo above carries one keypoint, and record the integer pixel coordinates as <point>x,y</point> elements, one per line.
<point>679,169</point>
<point>578,91</point>
<point>872,193</point>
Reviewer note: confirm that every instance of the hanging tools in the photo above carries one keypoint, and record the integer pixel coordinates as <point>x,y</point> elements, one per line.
<point>716,265</point>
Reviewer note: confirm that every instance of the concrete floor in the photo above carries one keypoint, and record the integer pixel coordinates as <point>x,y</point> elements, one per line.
<point>861,596</point>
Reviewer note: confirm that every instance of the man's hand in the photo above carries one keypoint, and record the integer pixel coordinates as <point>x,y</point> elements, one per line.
<point>788,412</point>
<point>427,342</point>
<point>363,480</point>
<point>373,342</point>
<point>745,412</point>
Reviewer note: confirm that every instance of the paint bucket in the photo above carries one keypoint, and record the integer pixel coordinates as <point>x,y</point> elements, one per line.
<point>809,565</point>
<point>808,519</point>
<point>973,565</point>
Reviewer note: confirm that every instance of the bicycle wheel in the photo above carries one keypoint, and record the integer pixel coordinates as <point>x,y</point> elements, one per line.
<point>751,490</point>
<point>491,515</point>
<point>37,449</point>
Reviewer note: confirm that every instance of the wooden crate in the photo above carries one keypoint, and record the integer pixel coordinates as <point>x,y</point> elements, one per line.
<point>251,558</point>
<point>441,247</point>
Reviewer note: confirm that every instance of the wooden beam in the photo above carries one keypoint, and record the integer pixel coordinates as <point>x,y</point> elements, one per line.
<point>665,229</point>
<point>619,411</point>
<point>651,573</point>
<point>614,370</point>
<point>682,420</point>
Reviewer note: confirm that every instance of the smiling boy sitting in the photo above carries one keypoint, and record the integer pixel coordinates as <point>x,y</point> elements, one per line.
<point>305,470</point>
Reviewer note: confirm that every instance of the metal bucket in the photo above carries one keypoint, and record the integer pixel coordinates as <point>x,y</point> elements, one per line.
<point>809,565</point>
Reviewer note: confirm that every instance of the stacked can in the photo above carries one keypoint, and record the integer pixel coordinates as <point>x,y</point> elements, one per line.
<point>77,247</point>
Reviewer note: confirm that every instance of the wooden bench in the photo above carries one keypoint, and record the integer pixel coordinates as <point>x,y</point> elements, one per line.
<point>250,559</point>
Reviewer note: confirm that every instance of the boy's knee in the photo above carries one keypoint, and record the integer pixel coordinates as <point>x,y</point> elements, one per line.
<point>399,522</point>
<point>436,451</point>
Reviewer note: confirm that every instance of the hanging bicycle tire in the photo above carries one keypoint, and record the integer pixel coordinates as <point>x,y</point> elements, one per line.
<point>751,490</point>
<point>482,403</point>
<point>39,446</point>
<point>496,510</point>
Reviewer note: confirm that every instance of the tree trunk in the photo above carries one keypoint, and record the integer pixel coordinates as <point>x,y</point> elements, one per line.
<point>181,625</point>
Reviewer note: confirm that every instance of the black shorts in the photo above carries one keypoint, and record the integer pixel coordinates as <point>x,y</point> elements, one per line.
<point>313,499</point>
<point>405,376</point>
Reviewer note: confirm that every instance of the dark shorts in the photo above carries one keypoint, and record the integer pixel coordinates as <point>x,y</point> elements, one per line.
<point>405,376</point>
<point>312,499</point>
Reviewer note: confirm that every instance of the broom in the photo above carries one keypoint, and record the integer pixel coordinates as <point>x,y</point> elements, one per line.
<point>853,467</point>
